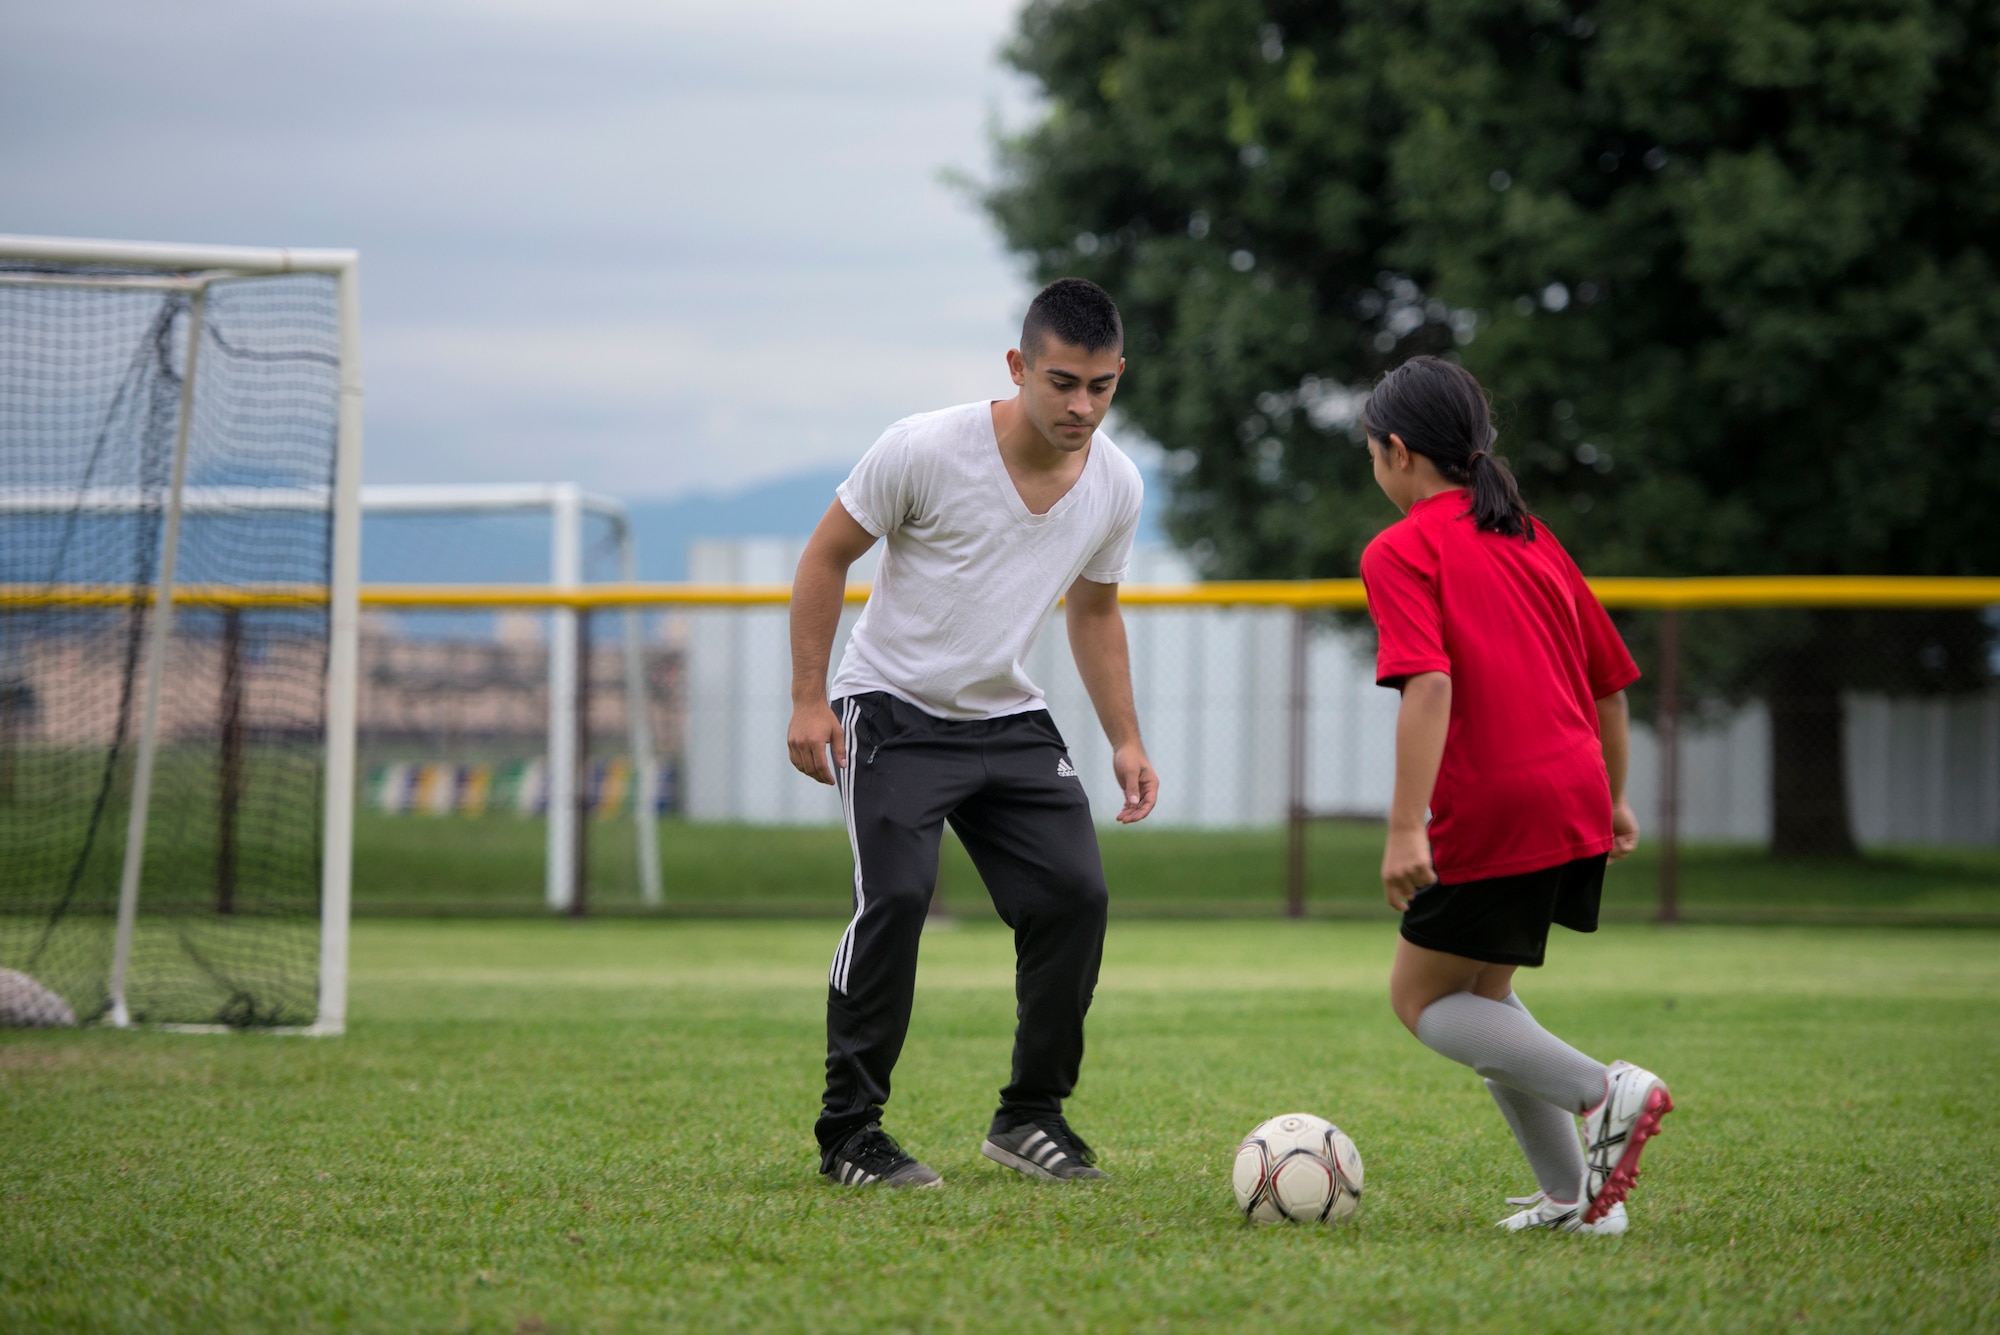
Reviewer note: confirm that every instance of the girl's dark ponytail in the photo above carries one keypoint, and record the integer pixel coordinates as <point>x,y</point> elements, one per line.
<point>1496,497</point>
<point>1440,410</point>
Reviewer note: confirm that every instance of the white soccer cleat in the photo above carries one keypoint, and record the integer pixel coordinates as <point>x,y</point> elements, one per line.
<point>1615,1131</point>
<point>1560,1217</point>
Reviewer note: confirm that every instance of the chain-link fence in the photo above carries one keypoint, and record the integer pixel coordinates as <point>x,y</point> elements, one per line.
<point>1813,751</point>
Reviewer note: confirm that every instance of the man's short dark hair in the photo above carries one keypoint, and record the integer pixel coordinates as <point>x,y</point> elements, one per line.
<point>1078,312</point>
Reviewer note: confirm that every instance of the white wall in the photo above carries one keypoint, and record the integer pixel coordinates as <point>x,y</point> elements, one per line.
<point>1210,684</point>
<point>1725,778</point>
<point>1919,771</point>
<point>1210,688</point>
<point>739,690</point>
<point>1925,771</point>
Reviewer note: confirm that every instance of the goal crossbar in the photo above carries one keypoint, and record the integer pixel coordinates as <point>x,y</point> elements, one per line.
<point>202,259</point>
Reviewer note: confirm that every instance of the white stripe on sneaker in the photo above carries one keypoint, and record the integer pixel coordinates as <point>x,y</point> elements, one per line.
<point>1039,1150</point>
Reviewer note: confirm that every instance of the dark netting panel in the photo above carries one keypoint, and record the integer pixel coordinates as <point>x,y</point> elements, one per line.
<point>90,394</point>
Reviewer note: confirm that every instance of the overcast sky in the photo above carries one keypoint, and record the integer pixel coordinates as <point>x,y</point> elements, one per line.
<point>649,247</point>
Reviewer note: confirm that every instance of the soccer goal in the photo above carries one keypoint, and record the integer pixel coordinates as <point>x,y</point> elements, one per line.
<point>411,528</point>
<point>180,458</point>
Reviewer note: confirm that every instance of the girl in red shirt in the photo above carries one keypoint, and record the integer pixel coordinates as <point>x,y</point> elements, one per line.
<point>1513,733</point>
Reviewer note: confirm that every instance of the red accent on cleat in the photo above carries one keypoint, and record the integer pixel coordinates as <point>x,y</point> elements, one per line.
<point>1658,1104</point>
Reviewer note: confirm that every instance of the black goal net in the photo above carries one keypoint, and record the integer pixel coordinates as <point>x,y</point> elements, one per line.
<point>94,362</point>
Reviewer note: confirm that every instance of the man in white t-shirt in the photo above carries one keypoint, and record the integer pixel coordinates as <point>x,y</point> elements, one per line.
<point>993,512</point>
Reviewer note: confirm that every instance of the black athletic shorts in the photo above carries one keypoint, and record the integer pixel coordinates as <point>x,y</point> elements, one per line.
<point>1505,920</point>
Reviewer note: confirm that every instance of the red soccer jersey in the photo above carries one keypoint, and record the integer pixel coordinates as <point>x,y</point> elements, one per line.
<point>1529,651</point>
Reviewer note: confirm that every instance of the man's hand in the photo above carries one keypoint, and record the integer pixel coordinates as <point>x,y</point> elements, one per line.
<point>814,728</point>
<point>1136,780</point>
<point>1624,830</point>
<point>1406,867</point>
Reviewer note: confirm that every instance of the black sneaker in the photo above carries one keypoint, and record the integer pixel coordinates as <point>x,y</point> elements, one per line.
<point>1045,1148</point>
<point>872,1155</point>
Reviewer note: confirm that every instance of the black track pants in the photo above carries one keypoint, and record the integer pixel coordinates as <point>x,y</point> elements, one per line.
<point>1010,793</point>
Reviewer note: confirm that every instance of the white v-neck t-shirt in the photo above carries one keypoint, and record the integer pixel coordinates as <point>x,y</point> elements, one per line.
<point>970,575</point>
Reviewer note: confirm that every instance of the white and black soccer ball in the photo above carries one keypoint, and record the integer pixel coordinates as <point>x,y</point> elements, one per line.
<point>1297,1167</point>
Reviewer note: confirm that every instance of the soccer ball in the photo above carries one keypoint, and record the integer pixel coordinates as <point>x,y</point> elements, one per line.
<point>1297,1167</point>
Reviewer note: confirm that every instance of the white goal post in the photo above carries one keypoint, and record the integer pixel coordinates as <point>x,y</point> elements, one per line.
<point>194,270</point>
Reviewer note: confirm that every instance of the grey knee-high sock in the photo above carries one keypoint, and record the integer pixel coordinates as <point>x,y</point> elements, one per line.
<point>1545,1133</point>
<point>1505,1044</point>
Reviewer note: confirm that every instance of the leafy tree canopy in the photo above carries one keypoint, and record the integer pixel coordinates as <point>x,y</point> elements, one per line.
<point>1729,267</point>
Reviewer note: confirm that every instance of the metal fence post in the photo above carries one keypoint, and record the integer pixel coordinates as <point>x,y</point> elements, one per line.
<point>1295,805</point>
<point>1670,765</point>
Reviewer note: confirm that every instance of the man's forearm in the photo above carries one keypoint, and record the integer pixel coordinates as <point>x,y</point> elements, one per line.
<point>817,593</point>
<point>1097,642</point>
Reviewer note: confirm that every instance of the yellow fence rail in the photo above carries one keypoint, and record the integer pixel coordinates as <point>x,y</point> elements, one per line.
<point>1304,595</point>
<point>1667,597</point>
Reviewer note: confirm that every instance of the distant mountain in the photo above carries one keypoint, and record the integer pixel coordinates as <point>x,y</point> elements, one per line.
<point>514,548</point>
<point>786,508</point>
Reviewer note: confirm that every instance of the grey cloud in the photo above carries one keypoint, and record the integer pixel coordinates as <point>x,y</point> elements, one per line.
<point>649,247</point>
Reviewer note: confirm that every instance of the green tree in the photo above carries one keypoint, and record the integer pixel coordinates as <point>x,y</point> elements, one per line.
<point>1730,268</point>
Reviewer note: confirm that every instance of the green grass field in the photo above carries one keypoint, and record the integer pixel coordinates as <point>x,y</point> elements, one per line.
<point>544,1126</point>
<point>457,865</point>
